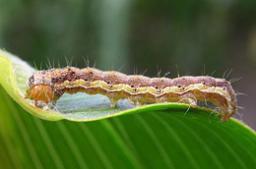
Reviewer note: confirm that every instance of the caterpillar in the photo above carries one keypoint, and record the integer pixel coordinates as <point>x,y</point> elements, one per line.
<point>48,86</point>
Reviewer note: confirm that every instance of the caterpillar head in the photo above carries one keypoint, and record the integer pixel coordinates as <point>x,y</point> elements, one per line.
<point>41,92</point>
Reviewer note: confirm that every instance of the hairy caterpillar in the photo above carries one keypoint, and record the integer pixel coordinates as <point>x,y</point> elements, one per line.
<point>48,85</point>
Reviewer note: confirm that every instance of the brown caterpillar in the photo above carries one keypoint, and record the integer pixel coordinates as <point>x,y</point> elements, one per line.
<point>48,85</point>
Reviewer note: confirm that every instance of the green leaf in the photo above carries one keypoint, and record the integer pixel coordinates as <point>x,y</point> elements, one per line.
<point>156,136</point>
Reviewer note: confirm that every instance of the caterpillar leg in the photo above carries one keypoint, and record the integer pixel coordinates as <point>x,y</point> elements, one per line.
<point>188,99</point>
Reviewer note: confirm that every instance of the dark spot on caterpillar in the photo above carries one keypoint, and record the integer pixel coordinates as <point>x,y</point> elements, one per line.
<point>54,80</point>
<point>31,80</point>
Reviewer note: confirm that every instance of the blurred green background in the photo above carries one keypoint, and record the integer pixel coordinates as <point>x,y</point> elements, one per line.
<point>151,37</point>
